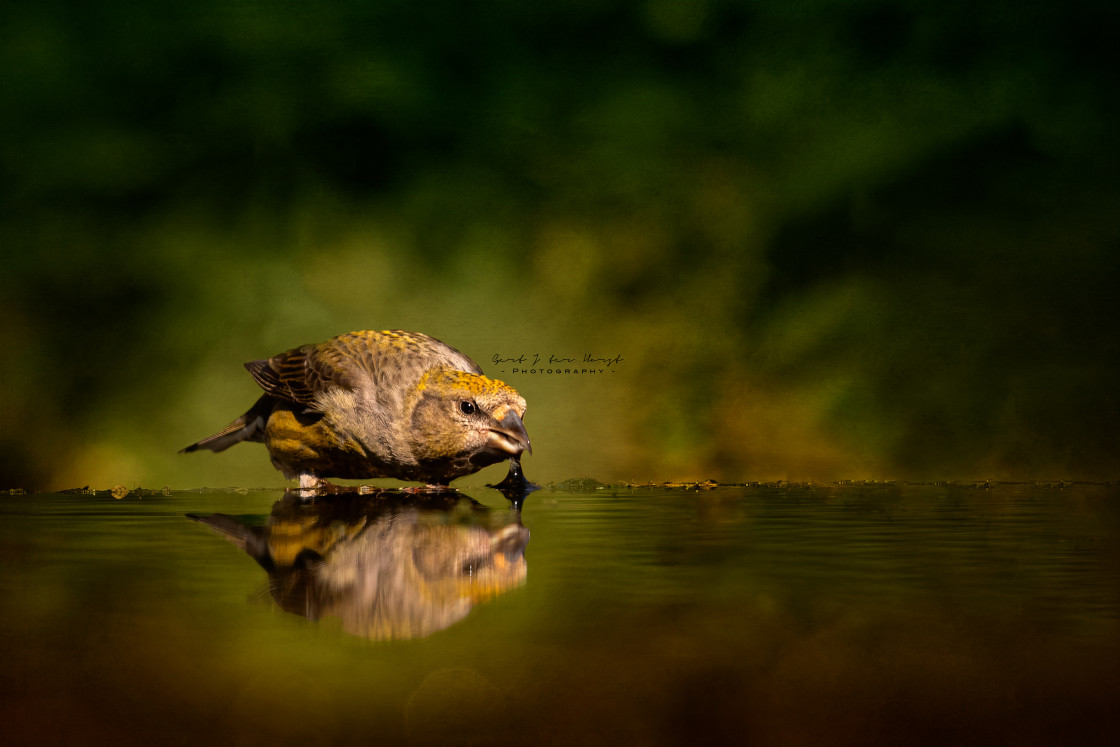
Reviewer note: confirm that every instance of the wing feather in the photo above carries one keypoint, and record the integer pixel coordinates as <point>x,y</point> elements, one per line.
<point>364,358</point>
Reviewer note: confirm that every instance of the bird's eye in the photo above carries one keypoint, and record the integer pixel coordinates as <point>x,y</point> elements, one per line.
<point>467,408</point>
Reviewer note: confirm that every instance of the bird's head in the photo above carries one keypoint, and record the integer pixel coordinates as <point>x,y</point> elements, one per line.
<point>458,414</point>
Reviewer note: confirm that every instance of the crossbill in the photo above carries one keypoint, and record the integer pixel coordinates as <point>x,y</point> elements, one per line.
<point>378,404</point>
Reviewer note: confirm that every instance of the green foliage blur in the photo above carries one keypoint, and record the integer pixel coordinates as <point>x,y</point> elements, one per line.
<point>860,239</point>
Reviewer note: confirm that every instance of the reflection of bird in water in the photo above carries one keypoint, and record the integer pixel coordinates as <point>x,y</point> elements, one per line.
<point>378,404</point>
<point>386,568</point>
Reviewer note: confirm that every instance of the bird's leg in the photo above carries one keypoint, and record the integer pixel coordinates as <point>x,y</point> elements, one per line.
<point>311,486</point>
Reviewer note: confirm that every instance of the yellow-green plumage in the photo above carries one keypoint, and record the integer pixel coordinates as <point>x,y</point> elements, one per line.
<point>378,404</point>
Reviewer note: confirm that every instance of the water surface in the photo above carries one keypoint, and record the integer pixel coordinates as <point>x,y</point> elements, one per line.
<point>876,614</point>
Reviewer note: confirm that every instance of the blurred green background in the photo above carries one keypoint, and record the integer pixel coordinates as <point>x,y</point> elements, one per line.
<point>829,239</point>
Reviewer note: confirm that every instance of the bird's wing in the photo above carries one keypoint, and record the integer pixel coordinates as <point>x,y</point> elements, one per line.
<point>299,375</point>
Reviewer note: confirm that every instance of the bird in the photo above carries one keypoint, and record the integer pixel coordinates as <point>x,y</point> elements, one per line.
<point>370,404</point>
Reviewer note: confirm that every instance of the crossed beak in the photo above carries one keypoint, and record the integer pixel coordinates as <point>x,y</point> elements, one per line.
<point>508,434</point>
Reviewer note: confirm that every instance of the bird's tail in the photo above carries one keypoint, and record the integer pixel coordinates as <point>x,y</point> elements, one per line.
<point>248,427</point>
<point>250,539</point>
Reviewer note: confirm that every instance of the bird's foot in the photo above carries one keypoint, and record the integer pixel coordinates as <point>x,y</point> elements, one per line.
<point>311,486</point>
